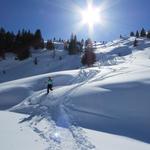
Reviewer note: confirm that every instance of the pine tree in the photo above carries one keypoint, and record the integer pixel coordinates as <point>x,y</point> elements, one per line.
<point>38,41</point>
<point>132,34</point>
<point>22,45</point>
<point>2,43</point>
<point>143,33</point>
<point>73,49</point>
<point>19,43</point>
<point>2,31</point>
<point>89,57</point>
<point>9,41</point>
<point>137,34</point>
<point>60,40</point>
<point>29,38</point>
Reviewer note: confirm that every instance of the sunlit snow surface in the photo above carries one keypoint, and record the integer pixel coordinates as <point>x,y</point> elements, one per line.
<point>103,107</point>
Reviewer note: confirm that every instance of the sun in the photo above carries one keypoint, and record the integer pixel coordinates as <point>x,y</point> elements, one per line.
<point>94,16</point>
<point>90,16</point>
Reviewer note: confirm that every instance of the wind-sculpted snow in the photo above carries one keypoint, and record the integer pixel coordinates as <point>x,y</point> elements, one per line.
<point>12,96</point>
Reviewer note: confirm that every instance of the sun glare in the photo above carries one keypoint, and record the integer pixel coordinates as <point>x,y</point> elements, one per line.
<point>90,16</point>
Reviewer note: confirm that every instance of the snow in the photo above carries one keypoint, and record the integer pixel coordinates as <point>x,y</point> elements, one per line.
<point>16,69</point>
<point>110,142</point>
<point>103,107</point>
<point>17,136</point>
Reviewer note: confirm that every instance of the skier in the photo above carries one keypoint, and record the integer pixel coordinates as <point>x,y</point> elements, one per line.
<point>49,84</point>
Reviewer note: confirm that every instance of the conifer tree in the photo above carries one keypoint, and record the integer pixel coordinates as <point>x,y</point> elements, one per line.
<point>9,41</point>
<point>2,43</point>
<point>19,43</point>
<point>137,34</point>
<point>38,41</point>
<point>54,39</point>
<point>89,57</point>
<point>22,45</point>
<point>143,33</point>
<point>132,34</point>
<point>73,49</point>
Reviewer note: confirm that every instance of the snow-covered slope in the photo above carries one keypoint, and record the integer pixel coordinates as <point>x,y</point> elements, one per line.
<point>110,100</point>
<point>15,136</point>
<point>16,69</point>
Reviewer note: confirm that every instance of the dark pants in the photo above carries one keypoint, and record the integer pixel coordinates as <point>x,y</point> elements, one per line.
<point>49,87</point>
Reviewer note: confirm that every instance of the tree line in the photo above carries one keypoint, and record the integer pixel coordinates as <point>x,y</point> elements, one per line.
<point>20,43</point>
<point>85,47</point>
<point>142,33</point>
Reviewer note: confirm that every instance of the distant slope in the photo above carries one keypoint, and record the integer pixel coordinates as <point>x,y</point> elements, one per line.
<point>46,63</point>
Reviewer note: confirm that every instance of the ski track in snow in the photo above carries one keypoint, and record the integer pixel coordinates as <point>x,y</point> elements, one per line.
<point>56,136</point>
<point>41,112</point>
<point>59,106</point>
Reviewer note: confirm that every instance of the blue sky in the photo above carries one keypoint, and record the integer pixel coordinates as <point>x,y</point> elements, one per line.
<point>59,18</point>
